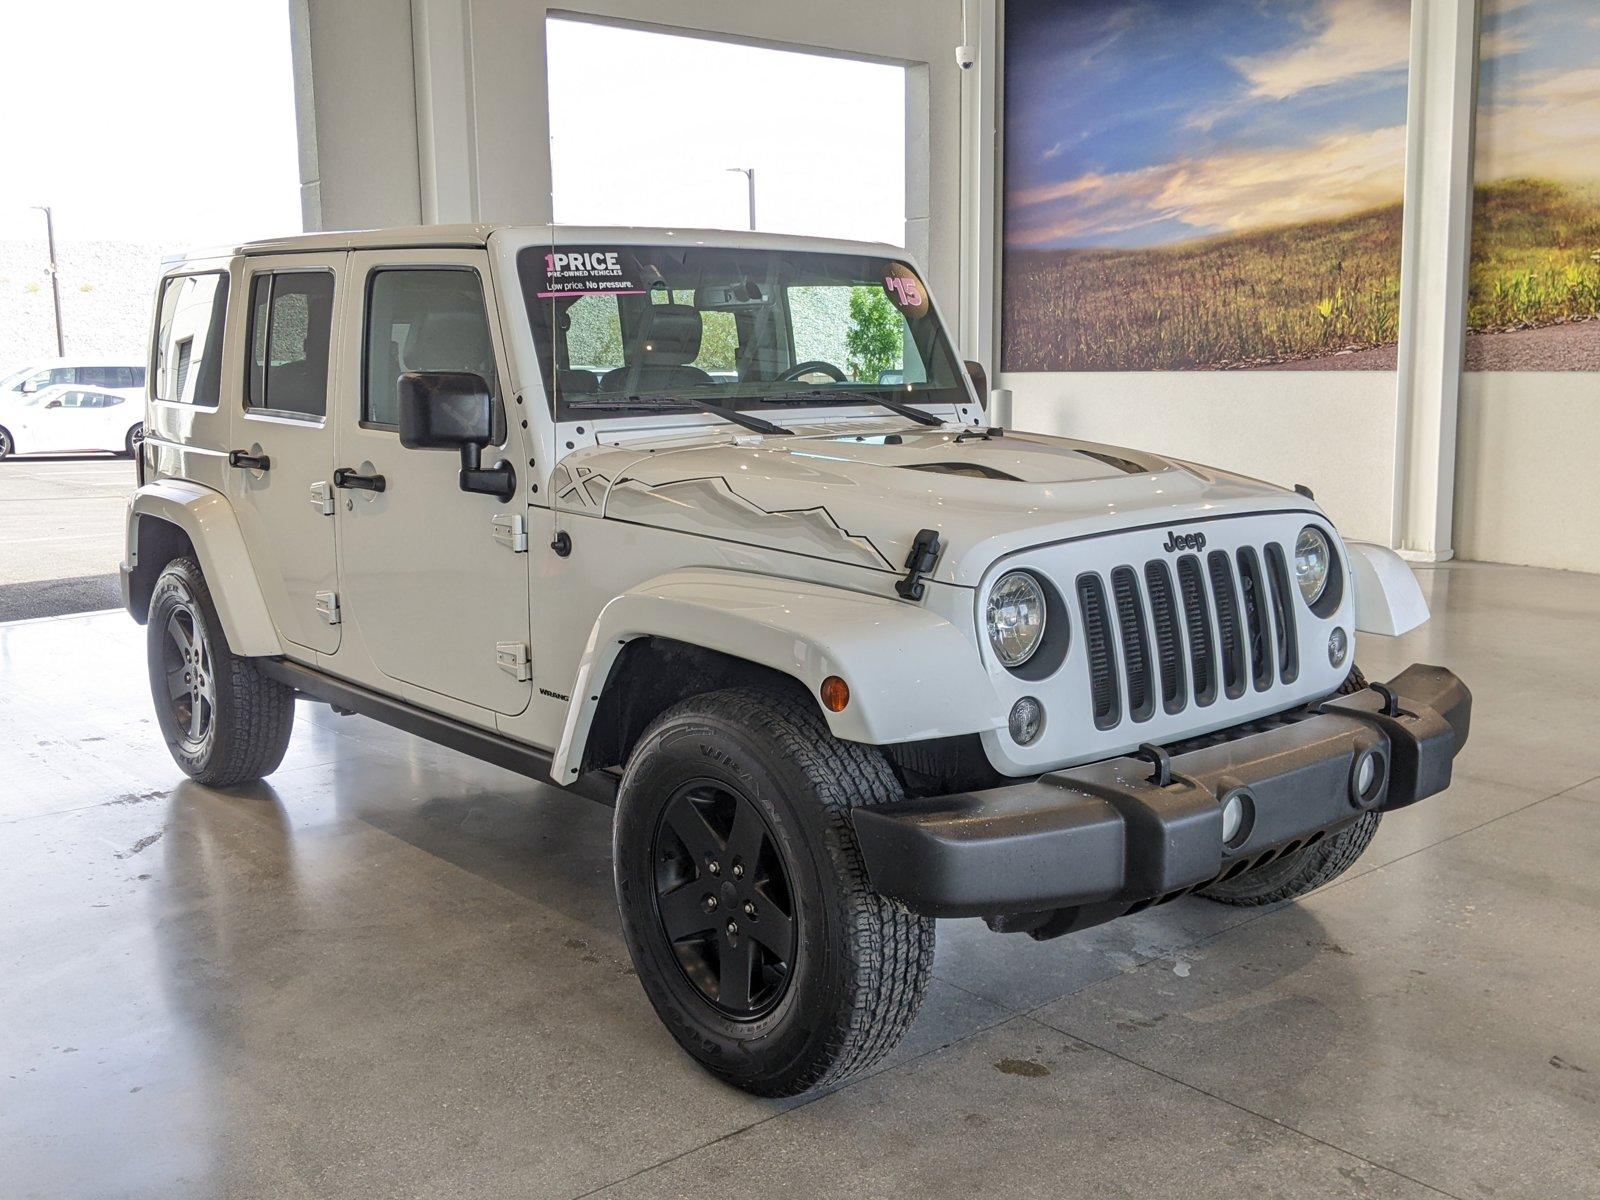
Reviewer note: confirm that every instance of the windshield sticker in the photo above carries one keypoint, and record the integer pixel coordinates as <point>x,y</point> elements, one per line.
<point>905,290</point>
<point>587,273</point>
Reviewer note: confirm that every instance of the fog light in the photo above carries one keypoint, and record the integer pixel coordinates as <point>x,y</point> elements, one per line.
<point>1338,647</point>
<point>1027,721</point>
<point>1238,814</point>
<point>1367,778</point>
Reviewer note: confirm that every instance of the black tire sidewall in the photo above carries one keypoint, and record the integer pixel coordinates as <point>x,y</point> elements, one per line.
<point>694,745</point>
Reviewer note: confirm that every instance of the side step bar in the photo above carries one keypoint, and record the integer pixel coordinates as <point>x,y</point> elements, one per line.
<point>482,744</point>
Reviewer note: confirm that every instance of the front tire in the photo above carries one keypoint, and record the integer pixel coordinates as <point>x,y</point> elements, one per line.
<point>1295,874</point>
<point>8,444</point>
<point>224,721</point>
<point>744,899</point>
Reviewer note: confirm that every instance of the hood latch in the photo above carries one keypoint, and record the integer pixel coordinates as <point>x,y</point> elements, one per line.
<point>924,554</point>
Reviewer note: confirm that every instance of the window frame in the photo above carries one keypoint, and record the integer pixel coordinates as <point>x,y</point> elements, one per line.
<point>366,333</point>
<point>152,374</point>
<point>283,414</point>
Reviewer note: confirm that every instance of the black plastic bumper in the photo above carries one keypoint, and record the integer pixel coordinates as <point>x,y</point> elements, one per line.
<point>1105,837</point>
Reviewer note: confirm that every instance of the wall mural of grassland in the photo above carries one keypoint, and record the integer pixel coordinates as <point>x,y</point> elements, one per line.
<point>1534,286</point>
<point>1200,184</point>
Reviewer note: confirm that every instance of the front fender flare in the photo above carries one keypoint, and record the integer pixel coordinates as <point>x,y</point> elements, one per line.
<point>1388,598</point>
<point>208,520</point>
<point>912,674</point>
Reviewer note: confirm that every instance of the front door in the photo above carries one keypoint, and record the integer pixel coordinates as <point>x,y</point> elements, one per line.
<point>286,510</point>
<point>440,601</point>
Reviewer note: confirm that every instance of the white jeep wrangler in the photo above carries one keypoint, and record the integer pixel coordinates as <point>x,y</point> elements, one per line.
<point>713,525</point>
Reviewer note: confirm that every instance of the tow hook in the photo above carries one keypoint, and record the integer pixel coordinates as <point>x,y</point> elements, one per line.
<point>924,553</point>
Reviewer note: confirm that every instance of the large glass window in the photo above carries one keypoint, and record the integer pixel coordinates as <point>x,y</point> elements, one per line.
<point>189,338</point>
<point>422,319</point>
<point>290,323</point>
<point>623,327</point>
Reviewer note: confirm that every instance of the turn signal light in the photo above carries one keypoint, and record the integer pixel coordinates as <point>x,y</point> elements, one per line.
<point>835,694</point>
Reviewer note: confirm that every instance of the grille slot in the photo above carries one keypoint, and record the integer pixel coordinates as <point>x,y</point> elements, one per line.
<point>1169,643</point>
<point>1103,690</point>
<point>1230,635</point>
<point>1283,614</point>
<point>1165,635</point>
<point>1135,643</point>
<point>1197,624</point>
<point>1253,597</point>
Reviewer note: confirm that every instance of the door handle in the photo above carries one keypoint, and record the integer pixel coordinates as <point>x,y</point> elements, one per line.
<point>251,462</point>
<point>344,477</point>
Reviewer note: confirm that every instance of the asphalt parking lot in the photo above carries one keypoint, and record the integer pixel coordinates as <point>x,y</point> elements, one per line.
<point>61,533</point>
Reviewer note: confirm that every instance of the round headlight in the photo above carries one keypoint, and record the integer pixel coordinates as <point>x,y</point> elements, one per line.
<point>1312,559</point>
<point>1015,617</point>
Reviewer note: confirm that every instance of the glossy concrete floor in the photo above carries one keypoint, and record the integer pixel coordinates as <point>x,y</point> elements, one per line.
<point>395,972</point>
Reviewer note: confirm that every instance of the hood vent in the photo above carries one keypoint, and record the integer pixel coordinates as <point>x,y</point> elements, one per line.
<point>970,470</point>
<point>1126,466</point>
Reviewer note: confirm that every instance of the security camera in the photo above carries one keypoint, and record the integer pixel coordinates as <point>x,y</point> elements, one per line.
<point>965,56</point>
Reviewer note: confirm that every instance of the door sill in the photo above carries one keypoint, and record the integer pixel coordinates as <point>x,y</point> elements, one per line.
<point>481,744</point>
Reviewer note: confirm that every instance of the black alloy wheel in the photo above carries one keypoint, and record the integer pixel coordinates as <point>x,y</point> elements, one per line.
<point>723,897</point>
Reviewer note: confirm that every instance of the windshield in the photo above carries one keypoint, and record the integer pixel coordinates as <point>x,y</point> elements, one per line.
<point>644,328</point>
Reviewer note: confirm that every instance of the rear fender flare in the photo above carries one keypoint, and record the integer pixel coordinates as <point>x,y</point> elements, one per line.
<point>208,520</point>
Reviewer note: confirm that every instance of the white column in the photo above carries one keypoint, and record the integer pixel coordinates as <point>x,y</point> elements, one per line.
<point>980,176</point>
<point>447,134</point>
<point>1436,244</point>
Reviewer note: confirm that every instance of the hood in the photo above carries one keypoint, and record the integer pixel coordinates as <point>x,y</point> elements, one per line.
<point>859,493</point>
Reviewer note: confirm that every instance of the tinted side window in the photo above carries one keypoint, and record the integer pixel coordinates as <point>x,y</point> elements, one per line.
<point>429,319</point>
<point>290,325</point>
<point>189,323</point>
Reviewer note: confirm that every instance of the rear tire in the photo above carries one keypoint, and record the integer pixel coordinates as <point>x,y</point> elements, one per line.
<point>224,721</point>
<point>733,831</point>
<point>129,449</point>
<point>1303,871</point>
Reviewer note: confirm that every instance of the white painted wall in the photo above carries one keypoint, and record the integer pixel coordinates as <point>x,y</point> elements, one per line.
<point>1330,430</point>
<point>1527,490</point>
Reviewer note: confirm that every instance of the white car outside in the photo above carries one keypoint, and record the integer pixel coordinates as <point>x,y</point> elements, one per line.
<point>69,419</point>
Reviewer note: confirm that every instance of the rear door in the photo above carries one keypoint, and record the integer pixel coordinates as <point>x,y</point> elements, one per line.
<point>435,579</point>
<point>285,505</point>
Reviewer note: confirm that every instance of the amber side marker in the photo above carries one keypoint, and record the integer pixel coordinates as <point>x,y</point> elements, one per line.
<point>835,694</point>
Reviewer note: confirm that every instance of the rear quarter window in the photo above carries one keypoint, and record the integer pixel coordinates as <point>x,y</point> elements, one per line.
<point>188,338</point>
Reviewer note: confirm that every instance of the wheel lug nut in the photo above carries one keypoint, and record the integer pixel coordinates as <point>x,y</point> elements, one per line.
<point>749,909</point>
<point>738,870</point>
<point>711,903</point>
<point>714,867</point>
<point>733,928</point>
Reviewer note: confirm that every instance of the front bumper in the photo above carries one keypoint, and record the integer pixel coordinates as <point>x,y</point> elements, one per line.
<point>1079,846</point>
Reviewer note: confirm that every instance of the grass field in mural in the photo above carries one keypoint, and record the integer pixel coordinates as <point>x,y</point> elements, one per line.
<point>1535,254</point>
<point>1269,295</point>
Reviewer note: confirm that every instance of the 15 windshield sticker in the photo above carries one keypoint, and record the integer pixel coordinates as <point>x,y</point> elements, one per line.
<point>906,292</point>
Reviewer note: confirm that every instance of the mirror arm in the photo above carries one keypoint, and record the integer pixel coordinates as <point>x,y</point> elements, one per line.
<point>499,480</point>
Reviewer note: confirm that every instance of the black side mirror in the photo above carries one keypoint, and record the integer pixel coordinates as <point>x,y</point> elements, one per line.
<point>453,410</point>
<point>980,381</point>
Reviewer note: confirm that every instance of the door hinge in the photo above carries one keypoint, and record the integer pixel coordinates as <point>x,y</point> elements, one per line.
<point>511,531</point>
<point>514,659</point>
<point>328,607</point>
<point>322,497</point>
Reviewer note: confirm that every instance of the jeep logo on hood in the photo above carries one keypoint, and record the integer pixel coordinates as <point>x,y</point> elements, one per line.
<point>1184,541</point>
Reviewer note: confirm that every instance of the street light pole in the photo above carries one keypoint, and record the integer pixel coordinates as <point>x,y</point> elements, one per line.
<point>55,282</point>
<point>750,176</point>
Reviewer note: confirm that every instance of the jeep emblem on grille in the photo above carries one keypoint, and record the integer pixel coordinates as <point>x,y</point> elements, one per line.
<point>1184,541</point>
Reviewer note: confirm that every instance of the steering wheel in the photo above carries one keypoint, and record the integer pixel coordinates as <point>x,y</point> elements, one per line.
<point>815,365</point>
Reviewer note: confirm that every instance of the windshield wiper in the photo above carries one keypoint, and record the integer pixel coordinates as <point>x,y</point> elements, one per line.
<point>847,397</point>
<point>665,402</point>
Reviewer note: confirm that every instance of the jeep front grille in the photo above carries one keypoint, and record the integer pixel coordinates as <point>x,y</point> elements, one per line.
<point>1225,627</point>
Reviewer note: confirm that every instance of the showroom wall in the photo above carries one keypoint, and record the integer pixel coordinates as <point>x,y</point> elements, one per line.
<point>435,110</point>
<point>1423,455</point>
